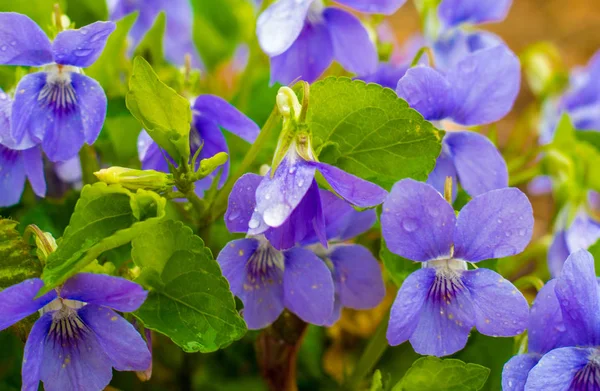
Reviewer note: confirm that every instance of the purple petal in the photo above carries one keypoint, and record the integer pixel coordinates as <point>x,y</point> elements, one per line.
<point>150,154</point>
<point>456,12</point>
<point>540,185</point>
<point>557,254</point>
<point>34,351</point>
<point>241,203</point>
<point>69,171</point>
<point>178,40</point>
<point>23,42</point>
<point>352,47</point>
<point>407,307</point>
<point>34,169</point>
<point>213,142</point>
<point>27,117</point>
<point>12,179</point>
<point>446,319</point>
<point>277,197</point>
<point>485,85</point>
<point>307,221</point>
<point>357,276</point>
<point>546,329</point>
<point>227,116</point>
<point>336,314</point>
<point>578,294</point>
<point>308,286</point>
<point>386,75</point>
<point>479,165</point>
<point>309,56</point>
<point>114,292</point>
<point>343,222</point>
<point>516,370</point>
<point>558,368</point>
<point>92,105</point>
<point>427,91</point>
<point>416,222</point>
<point>353,189</point>
<point>280,25</point>
<point>444,167</point>
<point>82,47</point>
<point>121,342</point>
<point>496,224</point>
<point>500,308</point>
<point>254,271</point>
<point>583,232</point>
<point>78,364</point>
<point>386,7</point>
<point>17,302</point>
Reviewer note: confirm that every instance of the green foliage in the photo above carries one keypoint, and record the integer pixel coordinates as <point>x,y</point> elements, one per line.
<point>435,374</point>
<point>165,114</point>
<point>105,217</point>
<point>84,12</point>
<point>39,10</point>
<point>368,131</point>
<point>189,301</point>
<point>396,266</point>
<point>377,382</point>
<point>151,45</point>
<point>544,69</point>
<point>17,262</point>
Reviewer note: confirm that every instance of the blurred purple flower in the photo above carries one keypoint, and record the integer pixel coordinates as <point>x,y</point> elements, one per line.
<point>438,305</point>
<point>177,41</point>
<point>454,13</point>
<point>303,37</point>
<point>79,338</point>
<point>59,107</point>
<point>210,113</point>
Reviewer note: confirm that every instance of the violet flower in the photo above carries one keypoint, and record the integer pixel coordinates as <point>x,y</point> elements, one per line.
<point>438,305</point>
<point>177,41</point>
<point>78,338</point>
<point>303,37</point>
<point>58,107</point>
<point>453,13</point>
<point>210,113</point>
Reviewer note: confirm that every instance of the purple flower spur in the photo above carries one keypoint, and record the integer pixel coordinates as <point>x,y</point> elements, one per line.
<point>79,337</point>
<point>58,107</point>
<point>438,305</point>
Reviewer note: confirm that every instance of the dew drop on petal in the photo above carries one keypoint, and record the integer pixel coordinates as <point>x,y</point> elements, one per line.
<point>3,48</point>
<point>82,52</point>
<point>234,215</point>
<point>409,225</point>
<point>253,223</point>
<point>275,215</point>
<point>300,183</point>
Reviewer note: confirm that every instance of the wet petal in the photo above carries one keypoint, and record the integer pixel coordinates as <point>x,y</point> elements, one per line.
<point>456,12</point>
<point>500,308</point>
<point>353,189</point>
<point>516,370</point>
<point>34,352</point>
<point>407,307</point>
<point>416,222</point>
<point>280,25</point>
<point>114,292</point>
<point>34,169</point>
<point>233,259</point>
<point>82,47</point>
<point>352,46</point>
<point>23,41</point>
<point>386,7</point>
<point>308,286</point>
<point>224,114</point>
<point>277,197</point>
<point>27,117</point>
<point>557,369</point>
<point>557,254</point>
<point>17,302</point>
<point>343,222</point>
<point>427,91</point>
<point>496,224</point>
<point>242,200</point>
<point>479,165</point>
<point>357,276</point>
<point>446,318</point>
<point>12,176</point>
<point>309,56</point>
<point>546,329</point>
<point>485,85</point>
<point>121,342</point>
<point>579,297</point>
<point>583,232</point>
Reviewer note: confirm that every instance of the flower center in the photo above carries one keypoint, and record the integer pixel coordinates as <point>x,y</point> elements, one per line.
<point>8,155</point>
<point>447,281</point>
<point>67,328</point>
<point>588,377</point>
<point>58,92</point>
<point>263,264</point>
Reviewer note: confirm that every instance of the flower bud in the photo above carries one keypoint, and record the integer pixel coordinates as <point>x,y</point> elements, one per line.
<point>136,179</point>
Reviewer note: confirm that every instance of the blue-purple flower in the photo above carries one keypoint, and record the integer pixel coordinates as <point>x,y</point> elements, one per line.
<point>303,37</point>
<point>58,107</point>
<point>574,361</point>
<point>79,337</point>
<point>438,305</point>
<point>210,113</point>
<point>177,41</point>
<point>453,13</point>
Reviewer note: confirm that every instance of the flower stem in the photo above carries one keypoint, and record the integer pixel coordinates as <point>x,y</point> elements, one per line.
<point>89,164</point>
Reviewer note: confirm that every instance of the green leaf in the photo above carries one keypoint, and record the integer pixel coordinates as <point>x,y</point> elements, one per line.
<point>189,300</point>
<point>368,131</point>
<point>39,10</point>
<point>84,12</point>
<point>377,382</point>
<point>17,262</point>
<point>399,268</point>
<point>112,65</point>
<point>151,46</point>
<point>105,217</point>
<point>591,137</point>
<point>594,249</point>
<point>435,374</point>
<point>165,114</point>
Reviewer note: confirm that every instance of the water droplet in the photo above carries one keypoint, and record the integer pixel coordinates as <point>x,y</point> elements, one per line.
<point>3,48</point>
<point>433,211</point>
<point>82,52</point>
<point>522,232</point>
<point>83,31</point>
<point>292,170</point>
<point>409,225</point>
<point>267,196</point>
<point>300,183</point>
<point>234,215</point>
<point>14,43</point>
<point>253,223</point>
<point>276,215</point>
<point>507,233</point>
<point>499,221</point>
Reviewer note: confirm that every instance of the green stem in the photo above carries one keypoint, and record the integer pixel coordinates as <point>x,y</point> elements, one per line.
<point>534,281</point>
<point>197,203</point>
<point>370,357</point>
<point>220,204</point>
<point>89,164</point>
<point>525,175</point>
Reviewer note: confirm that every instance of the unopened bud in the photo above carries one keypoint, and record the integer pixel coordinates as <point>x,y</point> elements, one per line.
<point>136,179</point>
<point>287,103</point>
<point>209,165</point>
